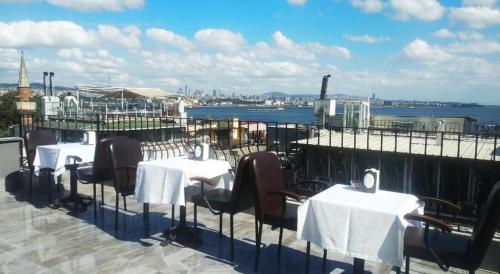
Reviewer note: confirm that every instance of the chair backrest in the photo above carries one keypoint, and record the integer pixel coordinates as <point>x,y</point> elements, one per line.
<point>102,162</point>
<point>485,229</point>
<point>243,193</point>
<point>124,154</point>
<point>34,138</point>
<point>265,171</point>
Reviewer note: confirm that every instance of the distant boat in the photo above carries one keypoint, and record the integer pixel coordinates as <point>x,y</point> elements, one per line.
<point>265,109</point>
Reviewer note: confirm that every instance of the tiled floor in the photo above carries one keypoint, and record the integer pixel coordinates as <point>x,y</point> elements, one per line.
<point>35,238</point>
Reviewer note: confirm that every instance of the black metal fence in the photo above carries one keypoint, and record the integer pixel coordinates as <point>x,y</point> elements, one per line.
<point>460,167</point>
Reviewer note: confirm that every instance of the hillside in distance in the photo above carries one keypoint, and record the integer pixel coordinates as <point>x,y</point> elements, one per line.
<point>337,96</point>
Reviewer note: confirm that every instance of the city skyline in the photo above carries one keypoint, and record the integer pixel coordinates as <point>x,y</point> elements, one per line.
<point>411,49</point>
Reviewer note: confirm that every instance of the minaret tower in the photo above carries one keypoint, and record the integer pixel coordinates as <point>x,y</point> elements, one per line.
<point>24,106</point>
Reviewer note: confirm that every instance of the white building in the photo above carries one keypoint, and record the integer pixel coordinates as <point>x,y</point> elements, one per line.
<point>356,114</point>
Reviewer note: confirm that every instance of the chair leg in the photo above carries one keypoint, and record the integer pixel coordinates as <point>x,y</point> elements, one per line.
<point>31,186</point>
<point>102,194</point>
<point>117,201</point>
<point>49,186</point>
<point>407,266</point>
<point>324,260</point>
<point>231,227</point>
<point>195,222</point>
<point>279,241</point>
<point>125,203</point>
<point>308,251</point>
<point>59,180</point>
<point>257,247</point>
<point>220,225</point>
<point>172,221</point>
<point>95,199</point>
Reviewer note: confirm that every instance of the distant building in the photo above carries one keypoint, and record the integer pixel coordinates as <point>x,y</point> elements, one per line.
<point>214,93</point>
<point>373,97</point>
<point>424,123</point>
<point>356,114</point>
<point>24,106</point>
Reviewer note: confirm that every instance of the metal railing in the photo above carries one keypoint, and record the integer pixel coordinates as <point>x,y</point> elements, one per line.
<point>450,165</point>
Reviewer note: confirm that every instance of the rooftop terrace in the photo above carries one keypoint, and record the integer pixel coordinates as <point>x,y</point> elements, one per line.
<point>35,238</point>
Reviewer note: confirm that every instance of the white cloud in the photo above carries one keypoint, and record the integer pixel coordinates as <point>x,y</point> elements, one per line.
<point>98,5</point>
<point>65,34</point>
<point>58,34</point>
<point>169,38</point>
<point>420,51</point>
<point>285,46</point>
<point>424,10</point>
<point>476,16</point>
<point>365,38</point>
<point>470,35</point>
<point>444,33</point>
<point>368,6</point>
<point>334,51</point>
<point>475,47</point>
<point>89,5</point>
<point>220,39</point>
<point>482,3</point>
<point>127,37</point>
<point>297,2</point>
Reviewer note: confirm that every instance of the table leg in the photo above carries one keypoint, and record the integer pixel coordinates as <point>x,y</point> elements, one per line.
<point>181,233</point>
<point>182,216</point>
<point>358,266</point>
<point>75,198</point>
<point>146,219</point>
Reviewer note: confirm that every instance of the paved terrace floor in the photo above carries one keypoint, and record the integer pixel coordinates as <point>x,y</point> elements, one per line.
<point>35,238</point>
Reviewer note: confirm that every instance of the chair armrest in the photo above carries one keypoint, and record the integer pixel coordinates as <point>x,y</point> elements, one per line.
<point>285,193</point>
<point>126,168</point>
<point>74,158</point>
<point>440,202</point>
<point>429,221</point>
<point>209,182</point>
<point>315,182</point>
<point>204,180</point>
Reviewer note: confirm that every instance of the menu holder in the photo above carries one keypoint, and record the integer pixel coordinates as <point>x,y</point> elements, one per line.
<point>370,183</point>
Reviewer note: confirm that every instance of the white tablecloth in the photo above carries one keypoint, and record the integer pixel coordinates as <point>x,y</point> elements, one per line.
<point>362,225</point>
<point>163,181</point>
<point>56,156</point>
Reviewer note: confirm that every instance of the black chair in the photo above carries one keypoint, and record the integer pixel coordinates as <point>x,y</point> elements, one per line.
<point>220,201</point>
<point>101,169</point>
<point>125,156</point>
<point>451,249</point>
<point>271,200</point>
<point>33,139</point>
<point>442,210</point>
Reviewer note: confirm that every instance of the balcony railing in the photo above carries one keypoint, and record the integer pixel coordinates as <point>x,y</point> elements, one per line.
<point>456,166</point>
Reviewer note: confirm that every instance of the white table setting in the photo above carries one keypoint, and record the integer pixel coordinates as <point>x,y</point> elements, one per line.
<point>363,225</point>
<point>164,182</point>
<point>60,158</point>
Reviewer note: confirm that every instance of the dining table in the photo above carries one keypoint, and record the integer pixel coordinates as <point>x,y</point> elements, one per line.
<point>365,226</point>
<point>164,182</point>
<point>61,158</point>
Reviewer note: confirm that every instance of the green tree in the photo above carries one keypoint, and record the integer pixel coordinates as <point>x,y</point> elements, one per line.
<point>7,112</point>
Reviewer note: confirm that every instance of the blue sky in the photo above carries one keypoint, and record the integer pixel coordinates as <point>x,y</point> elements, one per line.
<point>398,49</point>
